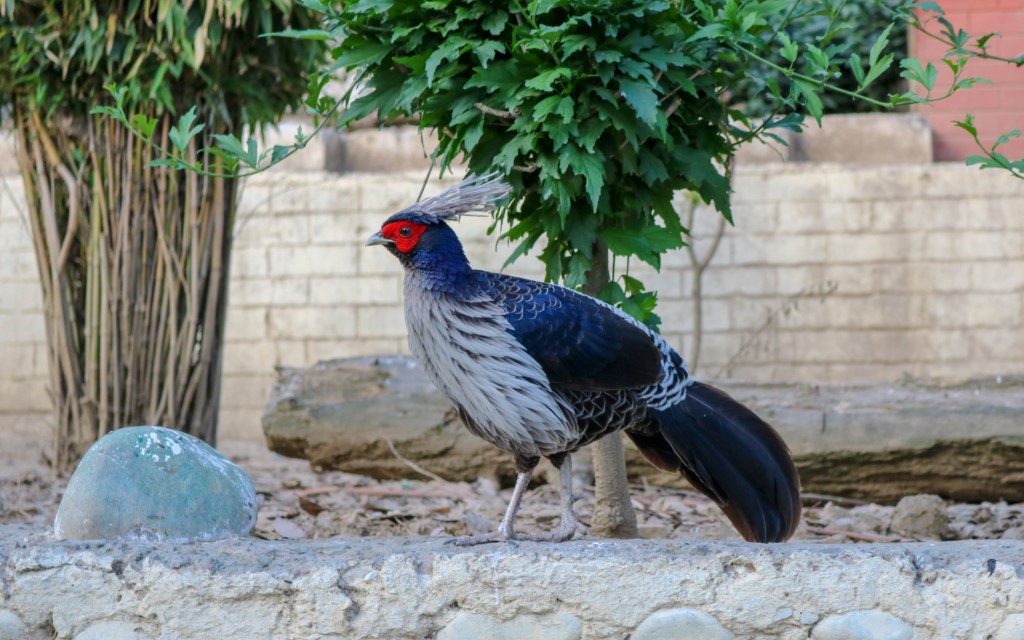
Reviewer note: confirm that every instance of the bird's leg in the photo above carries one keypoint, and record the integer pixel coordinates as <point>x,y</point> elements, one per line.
<point>505,532</point>
<point>569,525</point>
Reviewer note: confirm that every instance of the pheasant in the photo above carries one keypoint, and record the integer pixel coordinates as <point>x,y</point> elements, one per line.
<point>540,370</point>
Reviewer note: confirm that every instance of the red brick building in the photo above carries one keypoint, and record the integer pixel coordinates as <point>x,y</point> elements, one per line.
<point>997,107</point>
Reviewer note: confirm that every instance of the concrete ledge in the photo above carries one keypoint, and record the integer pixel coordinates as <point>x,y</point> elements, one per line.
<point>421,588</point>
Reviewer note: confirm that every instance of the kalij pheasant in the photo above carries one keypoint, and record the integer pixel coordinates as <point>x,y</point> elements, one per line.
<point>541,370</point>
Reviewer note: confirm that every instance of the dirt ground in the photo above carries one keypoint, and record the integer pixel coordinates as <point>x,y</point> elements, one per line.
<point>298,502</point>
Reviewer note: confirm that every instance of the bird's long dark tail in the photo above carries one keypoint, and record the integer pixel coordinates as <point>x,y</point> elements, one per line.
<point>731,455</point>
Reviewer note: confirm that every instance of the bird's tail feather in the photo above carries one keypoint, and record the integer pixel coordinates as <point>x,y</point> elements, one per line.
<point>731,455</point>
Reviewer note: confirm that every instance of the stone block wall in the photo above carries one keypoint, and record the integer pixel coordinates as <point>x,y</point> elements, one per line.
<point>831,274</point>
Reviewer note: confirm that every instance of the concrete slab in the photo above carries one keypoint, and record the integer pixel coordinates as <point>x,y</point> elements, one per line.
<point>421,588</point>
<point>865,138</point>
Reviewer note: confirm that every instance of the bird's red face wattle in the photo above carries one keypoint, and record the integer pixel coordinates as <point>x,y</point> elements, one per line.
<point>405,235</point>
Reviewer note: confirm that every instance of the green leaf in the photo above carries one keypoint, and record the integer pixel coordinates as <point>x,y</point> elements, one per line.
<point>661,239</point>
<point>879,46</point>
<point>560,105</point>
<point>364,54</point>
<point>913,71</point>
<point>588,165</point>
<point>573,43</point>
<point>279,153</point>
<point>633,285</point>
<point>544,81</point>
<point>590,132</point>
<point>789,49</point>
<point>929,6</point>
<point>878,68</point>
<point>183,132</point>
<point>641,97</point>
<point>858,70</point>
<point>450,50</point>
<point>230,145</point>
<point>144,124</point>
<point>485,52</point>
<point>591,167</point>
<point>299,34</point>
<point>819,60</point>
<point>495,22</point>
<point>625,242</point>
<point>106,111</point>
<point>251,156</point>
<point>1006,137</point>
<point>577,274</point>
<point>967,124</point>
<point>811,98</point>
<point>651,167</point>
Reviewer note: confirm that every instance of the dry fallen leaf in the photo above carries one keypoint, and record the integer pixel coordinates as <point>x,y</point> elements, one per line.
<point>310,507</point>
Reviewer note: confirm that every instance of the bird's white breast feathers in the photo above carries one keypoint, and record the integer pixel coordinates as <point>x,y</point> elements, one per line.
<point>467,350</point>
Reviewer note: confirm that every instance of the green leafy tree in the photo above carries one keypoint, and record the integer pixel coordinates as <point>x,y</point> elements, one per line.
<point>134,256</point>
<point>599,111</point>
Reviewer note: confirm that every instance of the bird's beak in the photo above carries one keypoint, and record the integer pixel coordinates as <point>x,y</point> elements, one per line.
<point>376,239</point>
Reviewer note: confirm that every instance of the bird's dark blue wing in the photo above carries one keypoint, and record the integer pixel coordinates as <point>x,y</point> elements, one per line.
<point>580,343</point>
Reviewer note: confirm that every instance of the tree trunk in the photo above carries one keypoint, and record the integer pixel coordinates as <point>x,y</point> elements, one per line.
<point>134,264</point>
<point>613,509</point>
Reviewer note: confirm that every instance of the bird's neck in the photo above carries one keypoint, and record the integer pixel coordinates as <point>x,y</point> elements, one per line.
<point>443,267</point>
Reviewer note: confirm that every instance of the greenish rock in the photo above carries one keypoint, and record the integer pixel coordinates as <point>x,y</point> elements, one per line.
<point>671,624</point>
<point>152,483</point>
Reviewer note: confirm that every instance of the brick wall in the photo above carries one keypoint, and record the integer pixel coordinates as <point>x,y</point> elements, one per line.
<point>998,107</point>
<point>926,262</point>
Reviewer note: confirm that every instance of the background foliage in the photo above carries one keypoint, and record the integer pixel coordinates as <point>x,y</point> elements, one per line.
<point>600,111</point>
<point>861,23</point>
<point>168,55</point>
<point>134,256</point>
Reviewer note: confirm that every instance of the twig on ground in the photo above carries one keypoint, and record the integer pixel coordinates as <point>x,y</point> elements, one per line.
<point>819,497</point>
<point>412,465</point>
<point>852,535</point>
<point>380,491</point>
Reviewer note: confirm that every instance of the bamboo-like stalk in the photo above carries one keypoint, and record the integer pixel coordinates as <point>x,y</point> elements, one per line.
<point>133,264</point>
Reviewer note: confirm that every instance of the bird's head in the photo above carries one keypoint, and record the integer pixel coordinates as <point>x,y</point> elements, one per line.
<point>420,236</point>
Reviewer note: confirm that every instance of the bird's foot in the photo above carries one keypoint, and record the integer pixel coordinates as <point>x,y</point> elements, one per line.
<point>568,528</point>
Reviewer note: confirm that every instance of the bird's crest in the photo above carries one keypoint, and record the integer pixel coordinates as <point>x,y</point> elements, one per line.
<point>474,194</point>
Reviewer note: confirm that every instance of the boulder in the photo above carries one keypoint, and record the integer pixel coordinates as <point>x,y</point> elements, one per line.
<point>875,441</point>
<point>152,483</point>
<point>341,414</point>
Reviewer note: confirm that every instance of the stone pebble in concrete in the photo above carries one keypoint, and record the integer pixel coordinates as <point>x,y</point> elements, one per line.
<point>112,630</point>
<point>1012,628</point>
<point>672,624</point>
<point>863,625</point>
<point>11,626</point>
<point>467,625</point>
<point>152,483</point>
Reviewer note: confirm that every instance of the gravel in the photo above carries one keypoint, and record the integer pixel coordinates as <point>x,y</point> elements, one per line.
<point>296,502</point>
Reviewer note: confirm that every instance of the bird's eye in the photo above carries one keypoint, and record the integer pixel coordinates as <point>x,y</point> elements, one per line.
<point>405,232</point>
